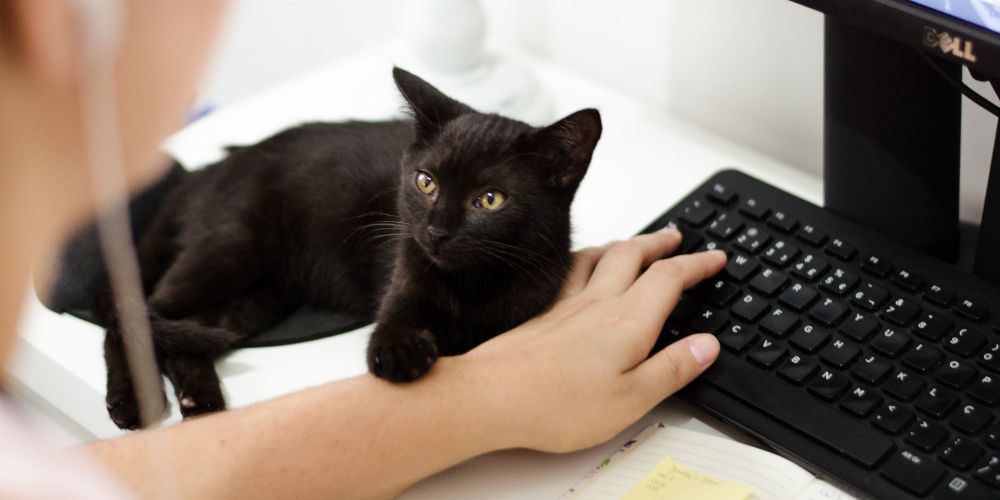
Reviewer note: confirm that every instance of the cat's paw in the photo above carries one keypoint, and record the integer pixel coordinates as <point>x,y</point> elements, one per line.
<point>201,401</point>
<point>403,358</point>
<point>123,409</point>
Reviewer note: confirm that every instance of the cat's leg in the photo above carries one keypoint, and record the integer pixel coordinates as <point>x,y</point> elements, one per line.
<point>204,276</point>
<point>123,407</point>
<point>399,350</point>
<point>196,384</point>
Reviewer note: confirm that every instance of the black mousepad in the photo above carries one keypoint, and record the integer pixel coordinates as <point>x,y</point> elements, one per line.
<point>80,268</point>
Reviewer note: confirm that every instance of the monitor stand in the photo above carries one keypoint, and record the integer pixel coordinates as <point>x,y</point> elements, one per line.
<point>892,129</point>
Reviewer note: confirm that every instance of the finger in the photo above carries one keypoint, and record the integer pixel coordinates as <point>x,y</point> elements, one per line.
<point>675,366</point>
<point>584,262</point>
<point>656,292</point>
<point>623,262</point>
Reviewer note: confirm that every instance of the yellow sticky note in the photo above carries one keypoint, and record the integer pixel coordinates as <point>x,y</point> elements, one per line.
<point>670,479</point>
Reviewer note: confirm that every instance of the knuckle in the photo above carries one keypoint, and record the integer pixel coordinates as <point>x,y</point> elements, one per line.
<point>628,248</point>
<point>668,268</point>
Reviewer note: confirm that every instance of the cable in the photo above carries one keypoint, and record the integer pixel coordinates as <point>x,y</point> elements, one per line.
<point>959,85</point>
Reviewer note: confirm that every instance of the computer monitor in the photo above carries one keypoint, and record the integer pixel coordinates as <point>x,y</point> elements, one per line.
<point>892,118</point>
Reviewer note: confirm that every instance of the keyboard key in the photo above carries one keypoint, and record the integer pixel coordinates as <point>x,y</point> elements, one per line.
<point>717,292</point>
<point>901,312</point>
<point>809,338</point>
<point>922,357</point>
<point>965,342</point>
<point>754,209</point>
<point>697,214</point>
<point>829,385</point>
<point>936,401</point>
<point>985,389</point>
<point>990,358</point>
<point>809,234</point>
<point>913,472</point>
<point>840,353</point>
<point>779,322</point>
<point>956,487</point>
<point>752,240</point>
<point>846,437</point>
<point>839,249</point>
<point>904,385</point>
<point>749,308</point>
<point>859,326</point>
<point>890,342</point>
<point>988,470</point>
<point>766,353</point>
<point>740,267</point>
<point>768,282</point>
<point>724,227</point>
<point>798,296</point>
<point>782,221</point>
<point>708,320</point>
<point>971,419</point>
<point>839,282</point>
<point>860,401</point>
<point>869,296</point>
<point>907,280</point>
<point>935,294</point>
<point>961,453</point>
<point>810,268</point>
<point>781,253</point>
<point>971,310</point>
<point>893,418</point>
<point>797,369</point>
<point>736,337</point>
<point>992,435</point>
<point>876,266</point>
<point>932,326</point>
<point>828,312</point>
<point>926,435</point>
<point>955,374</point>
<point>719,193</point>
<point>871,368</point>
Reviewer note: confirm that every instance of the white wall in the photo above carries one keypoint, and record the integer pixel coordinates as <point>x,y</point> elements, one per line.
<point>750,70</point>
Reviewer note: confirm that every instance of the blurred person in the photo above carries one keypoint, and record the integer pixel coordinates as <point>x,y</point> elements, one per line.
<point>570,378</point>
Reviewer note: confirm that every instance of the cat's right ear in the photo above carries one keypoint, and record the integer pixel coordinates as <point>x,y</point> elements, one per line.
<point>431,109</point>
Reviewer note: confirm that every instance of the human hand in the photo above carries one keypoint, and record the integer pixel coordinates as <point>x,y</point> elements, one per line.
<point>578,374</point>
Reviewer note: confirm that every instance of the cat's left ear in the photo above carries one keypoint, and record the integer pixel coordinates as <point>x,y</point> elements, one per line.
<point>570,143</point>
<point>432,110</point>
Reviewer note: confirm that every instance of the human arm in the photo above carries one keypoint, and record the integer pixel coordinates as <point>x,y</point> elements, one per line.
<point>569,378</point>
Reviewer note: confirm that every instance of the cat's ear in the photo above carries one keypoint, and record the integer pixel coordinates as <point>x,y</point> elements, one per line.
<point>570,143</point>
<point>431,109</point>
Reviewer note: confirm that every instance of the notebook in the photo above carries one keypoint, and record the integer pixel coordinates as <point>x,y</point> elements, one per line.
<point>671,462</point>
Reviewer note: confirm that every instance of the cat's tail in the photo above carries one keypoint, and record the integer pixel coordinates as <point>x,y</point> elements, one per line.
<point>183,336</point>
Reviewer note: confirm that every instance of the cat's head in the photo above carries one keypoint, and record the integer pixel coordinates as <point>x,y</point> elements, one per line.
<point>480,188</point>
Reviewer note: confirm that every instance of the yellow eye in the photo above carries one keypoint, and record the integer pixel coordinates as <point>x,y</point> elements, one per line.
<point>491,200</point>
<point>425,183</point>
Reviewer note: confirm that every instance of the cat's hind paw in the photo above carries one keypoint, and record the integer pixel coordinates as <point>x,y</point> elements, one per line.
<point>123,409</point>
<point>403,358</point>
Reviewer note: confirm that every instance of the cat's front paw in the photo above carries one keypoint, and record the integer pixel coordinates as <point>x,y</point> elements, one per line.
<point>123,409</point>
<point>402,358</point>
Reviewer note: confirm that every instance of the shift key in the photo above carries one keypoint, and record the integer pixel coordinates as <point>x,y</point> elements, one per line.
<point>785,403</point>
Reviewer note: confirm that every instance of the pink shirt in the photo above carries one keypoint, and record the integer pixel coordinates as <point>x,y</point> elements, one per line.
<point>31,469</point>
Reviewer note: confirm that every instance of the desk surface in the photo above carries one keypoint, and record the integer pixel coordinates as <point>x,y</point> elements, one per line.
<point>644,162</point>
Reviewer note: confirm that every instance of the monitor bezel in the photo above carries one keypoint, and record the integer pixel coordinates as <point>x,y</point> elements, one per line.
<point>907,22</point>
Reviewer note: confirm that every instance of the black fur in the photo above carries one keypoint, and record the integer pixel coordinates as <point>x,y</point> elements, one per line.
<point>330,215</point>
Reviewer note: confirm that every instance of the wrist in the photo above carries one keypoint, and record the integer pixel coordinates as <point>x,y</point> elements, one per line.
<point>486,411</point>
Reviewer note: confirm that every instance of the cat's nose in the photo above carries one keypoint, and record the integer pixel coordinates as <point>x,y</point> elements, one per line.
<point>437,234</point>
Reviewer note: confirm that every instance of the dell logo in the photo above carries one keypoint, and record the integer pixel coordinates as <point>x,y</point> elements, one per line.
<point>948,44</point>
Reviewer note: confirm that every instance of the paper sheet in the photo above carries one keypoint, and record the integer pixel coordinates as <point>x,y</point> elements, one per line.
<point>670,479</point>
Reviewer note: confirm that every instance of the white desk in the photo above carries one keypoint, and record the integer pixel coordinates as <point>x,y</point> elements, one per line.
<point>644,163</point>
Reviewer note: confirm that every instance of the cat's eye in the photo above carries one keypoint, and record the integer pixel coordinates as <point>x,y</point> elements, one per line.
<point>491,200</point>
<point>425,183</point>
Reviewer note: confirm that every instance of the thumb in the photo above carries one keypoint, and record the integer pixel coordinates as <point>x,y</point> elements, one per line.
<point>677,365</point>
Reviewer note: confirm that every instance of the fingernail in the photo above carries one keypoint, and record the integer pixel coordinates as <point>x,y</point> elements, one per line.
<point>704,347</point>
<point>669,229</point>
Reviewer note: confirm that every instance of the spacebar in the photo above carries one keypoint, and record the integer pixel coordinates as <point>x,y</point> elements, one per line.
<point>797,409</point>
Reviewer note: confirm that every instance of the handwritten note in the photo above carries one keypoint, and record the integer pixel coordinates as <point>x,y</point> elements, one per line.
<point>670,479</point>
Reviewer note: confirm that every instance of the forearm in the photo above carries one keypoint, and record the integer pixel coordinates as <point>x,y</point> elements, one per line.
<point>361,437</point>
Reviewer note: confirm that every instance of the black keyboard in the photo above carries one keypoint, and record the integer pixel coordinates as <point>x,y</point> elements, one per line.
<point>866,362</point>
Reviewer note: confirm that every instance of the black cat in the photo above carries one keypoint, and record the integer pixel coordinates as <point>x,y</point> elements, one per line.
<point>447,229</point>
